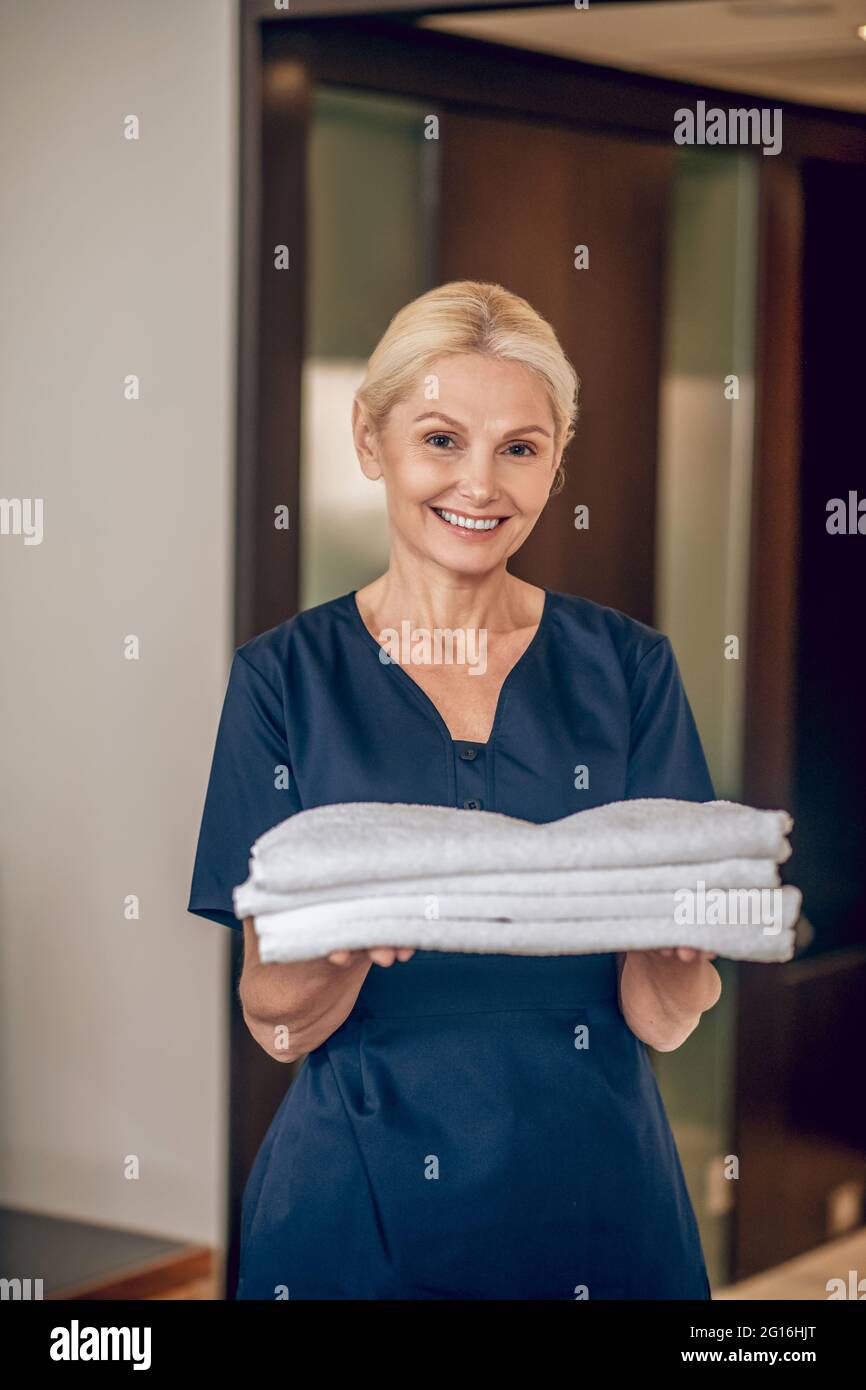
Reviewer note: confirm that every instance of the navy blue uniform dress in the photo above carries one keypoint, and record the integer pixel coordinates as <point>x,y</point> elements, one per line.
<point>480,1126</point>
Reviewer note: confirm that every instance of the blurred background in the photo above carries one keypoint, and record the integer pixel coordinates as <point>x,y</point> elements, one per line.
<point>213,208</point>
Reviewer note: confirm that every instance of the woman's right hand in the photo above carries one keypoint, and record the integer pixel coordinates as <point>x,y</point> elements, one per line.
<point>379,955</point>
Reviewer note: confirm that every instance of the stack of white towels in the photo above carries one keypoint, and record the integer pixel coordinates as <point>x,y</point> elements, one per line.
<point>631,875</point>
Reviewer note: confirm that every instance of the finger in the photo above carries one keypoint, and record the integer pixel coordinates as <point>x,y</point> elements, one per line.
<point>340,957</point>
<point>383,955</point>
<point>405,953</point>
<point>686,953</point>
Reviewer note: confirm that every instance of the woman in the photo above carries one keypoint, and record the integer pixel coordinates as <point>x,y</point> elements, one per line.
<point>464,1126</point>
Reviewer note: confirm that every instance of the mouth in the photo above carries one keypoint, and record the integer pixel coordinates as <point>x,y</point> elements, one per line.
<point>468,525</point>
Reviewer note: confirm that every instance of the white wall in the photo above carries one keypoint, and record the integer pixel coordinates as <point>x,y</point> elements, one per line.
<point>118,258</point>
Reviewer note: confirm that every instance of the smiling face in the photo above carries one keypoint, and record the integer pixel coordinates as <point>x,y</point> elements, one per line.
<point>467,475</point>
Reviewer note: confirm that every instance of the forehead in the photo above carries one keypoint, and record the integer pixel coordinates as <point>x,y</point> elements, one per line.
<point>477,384</point>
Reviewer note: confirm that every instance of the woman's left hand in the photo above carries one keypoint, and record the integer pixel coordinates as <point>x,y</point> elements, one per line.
<point>662,1003</point>
<point>379,955</point>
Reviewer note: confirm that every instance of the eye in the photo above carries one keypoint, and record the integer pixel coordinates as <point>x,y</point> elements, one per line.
<point>435,440</point>
<point>518,444</point>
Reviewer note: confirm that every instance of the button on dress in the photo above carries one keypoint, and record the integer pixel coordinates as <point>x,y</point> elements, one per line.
<point>480,1126</point>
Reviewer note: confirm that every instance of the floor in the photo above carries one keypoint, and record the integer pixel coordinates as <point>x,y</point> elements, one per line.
<point>806,1277</point>
<point>802,1279</point>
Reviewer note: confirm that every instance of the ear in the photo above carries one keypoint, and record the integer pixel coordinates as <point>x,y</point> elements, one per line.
<point>366,442</point>
<point>556,477</point>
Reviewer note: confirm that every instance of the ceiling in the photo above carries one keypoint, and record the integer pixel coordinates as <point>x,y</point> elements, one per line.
<point>793,50</point>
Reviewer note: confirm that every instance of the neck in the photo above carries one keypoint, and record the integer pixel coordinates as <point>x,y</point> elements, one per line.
<point>429,596</point>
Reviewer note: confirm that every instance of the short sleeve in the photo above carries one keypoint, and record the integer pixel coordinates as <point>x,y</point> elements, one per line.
<point>665,753</point>
<point>251,788</point>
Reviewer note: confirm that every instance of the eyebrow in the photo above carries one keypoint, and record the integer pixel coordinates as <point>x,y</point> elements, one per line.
<point>438,415</point>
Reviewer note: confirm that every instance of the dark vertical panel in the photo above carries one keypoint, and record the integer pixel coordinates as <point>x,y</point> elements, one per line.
<point>768,747</point>
<point>282,293</point>
<point>516,198</point>
<point>799,1130</point>
<point>271,308</point>
<point>763,1229</point>
<point>831,732</point>
<point>274,113</point>
<point>249,195</point>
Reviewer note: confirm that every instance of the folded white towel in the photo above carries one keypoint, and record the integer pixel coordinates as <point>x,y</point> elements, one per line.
<point>307,933</point>
<point>513,907</point>
<point>361,874</point>
<point>250,899</point>
<point>379,841</point>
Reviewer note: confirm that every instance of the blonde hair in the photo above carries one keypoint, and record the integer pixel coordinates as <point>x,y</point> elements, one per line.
<point>469,316</point>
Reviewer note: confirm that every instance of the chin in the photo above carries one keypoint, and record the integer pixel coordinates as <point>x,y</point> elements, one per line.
<point>470,564</point>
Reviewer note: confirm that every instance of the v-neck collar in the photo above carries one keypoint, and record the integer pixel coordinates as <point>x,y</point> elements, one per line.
<point>422,695</point>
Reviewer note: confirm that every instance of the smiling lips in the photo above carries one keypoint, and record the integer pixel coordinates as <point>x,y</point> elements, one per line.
<point>469,525</point>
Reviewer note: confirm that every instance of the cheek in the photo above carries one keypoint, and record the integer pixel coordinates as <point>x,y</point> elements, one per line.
<point>530,487</point>
<point>418,475</point>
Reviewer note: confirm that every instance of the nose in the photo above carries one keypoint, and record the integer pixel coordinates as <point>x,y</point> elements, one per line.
<point>478,484</point>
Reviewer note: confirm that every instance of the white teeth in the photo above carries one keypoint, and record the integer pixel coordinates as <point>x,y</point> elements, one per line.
<point>468,522</point>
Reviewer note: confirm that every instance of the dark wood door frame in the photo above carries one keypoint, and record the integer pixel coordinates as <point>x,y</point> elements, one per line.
<point>283,56</point>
